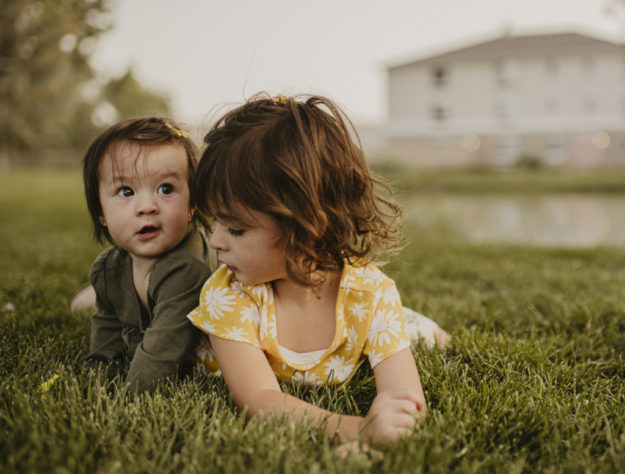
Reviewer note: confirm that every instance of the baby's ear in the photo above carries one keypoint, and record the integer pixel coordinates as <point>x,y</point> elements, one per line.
<point>103,221</point>
<point>191,214</point>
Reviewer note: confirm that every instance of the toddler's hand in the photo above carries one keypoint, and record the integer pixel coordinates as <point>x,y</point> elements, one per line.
<point>393,415</point>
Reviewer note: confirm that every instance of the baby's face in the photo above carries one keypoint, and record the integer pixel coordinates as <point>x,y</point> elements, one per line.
<point>144,194</point>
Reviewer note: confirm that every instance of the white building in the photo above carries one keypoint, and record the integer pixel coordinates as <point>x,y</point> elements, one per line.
<point>559,98</point>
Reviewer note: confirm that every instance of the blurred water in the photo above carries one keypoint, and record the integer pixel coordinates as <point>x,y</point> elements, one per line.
<point>573,220</point>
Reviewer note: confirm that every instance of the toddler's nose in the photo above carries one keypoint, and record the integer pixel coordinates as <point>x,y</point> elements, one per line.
<point>217,240</point>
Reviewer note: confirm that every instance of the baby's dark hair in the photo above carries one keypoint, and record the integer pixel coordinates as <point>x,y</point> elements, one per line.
<point>296,160</point>
<point>141,131</point>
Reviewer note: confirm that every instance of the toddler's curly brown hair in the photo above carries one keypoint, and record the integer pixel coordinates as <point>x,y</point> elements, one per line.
<point>297,159</point>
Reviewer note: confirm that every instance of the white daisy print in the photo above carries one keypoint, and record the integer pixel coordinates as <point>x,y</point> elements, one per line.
<point>235,334</point>
<point>210,355</point>
<point>216,302</point>
<point>360,311</point>
<point>390,295</point>
<point>206,353</point>
<point>207,327</point>
<point>375,358</point>
<point>269,329</point>
<point>359,272</point>
<point>250,314</point>
<point>377,296</point>
<point>202,351</point>
<point>347,279</point>
<point>384,325</point>
<point>337,369</point>
<point>260,291</point>
<point>352,335</point>
<point>306,377</point>
<point>371,275</point>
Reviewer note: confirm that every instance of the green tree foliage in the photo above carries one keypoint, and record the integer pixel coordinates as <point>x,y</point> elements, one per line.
<point>130,98</point>
<point>51,98</point>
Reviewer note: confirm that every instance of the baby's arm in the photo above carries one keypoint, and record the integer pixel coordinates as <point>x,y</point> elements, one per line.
<point>170,338</point>
<point>106,340</point>
<point>106,336</point>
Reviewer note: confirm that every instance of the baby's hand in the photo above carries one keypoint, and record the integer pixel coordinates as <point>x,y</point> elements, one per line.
<point>393,415</point>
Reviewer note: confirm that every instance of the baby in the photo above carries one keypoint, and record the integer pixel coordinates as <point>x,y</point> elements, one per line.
<point>137,177</point>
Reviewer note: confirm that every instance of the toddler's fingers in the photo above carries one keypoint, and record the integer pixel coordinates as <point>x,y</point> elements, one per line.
<point>412,396</point>
<point>405,406</point>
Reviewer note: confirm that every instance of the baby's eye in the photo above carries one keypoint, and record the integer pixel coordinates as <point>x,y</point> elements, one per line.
<point>235,232</point>
<point>165,188</point>
<point>125,191</point>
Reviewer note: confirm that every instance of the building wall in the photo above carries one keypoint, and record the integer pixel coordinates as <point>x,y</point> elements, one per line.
<point>565,107</point>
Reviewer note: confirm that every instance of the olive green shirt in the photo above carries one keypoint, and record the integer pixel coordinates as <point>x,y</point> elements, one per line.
<point>160,339</point>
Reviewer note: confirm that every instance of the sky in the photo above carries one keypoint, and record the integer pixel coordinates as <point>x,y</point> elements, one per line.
<point>211,54</point>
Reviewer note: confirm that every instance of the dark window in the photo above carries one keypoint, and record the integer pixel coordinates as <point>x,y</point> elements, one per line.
<point>439,113</point>
<point>439,75</point>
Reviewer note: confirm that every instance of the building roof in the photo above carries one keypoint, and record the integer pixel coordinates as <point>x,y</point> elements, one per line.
<point>506,45</point>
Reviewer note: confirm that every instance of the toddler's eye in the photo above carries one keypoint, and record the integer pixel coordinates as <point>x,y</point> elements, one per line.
<point>125,191</point>
<point>235,232</point>
<point>165,188</point>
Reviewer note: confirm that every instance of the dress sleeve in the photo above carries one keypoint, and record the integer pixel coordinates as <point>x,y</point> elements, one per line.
<point>169,340</point>
<point>106,328</point>
<point>228,309</point>
<point>387,331</point>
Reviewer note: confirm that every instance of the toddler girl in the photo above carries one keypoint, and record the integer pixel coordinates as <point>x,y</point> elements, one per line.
<point>137,178</point>
<point>298,221</point>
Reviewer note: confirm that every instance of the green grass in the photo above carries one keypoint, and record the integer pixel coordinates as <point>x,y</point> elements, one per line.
<point>533,382</point>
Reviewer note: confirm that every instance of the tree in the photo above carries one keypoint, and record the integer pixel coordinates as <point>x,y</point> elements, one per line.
<point>49,93</point>
<point>119,98</point>
<point>130,98</point>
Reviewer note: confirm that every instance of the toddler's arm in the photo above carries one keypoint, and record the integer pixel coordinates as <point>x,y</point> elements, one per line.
<point>400,400</point>
<point>254,387</point>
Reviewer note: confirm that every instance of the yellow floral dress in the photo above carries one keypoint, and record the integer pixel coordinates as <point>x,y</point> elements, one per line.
<point>369,323</point>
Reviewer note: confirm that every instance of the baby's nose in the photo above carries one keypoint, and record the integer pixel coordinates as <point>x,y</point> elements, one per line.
<point>146,204</point>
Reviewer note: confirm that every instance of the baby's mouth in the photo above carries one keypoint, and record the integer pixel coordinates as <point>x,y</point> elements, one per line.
<point>148,229</point>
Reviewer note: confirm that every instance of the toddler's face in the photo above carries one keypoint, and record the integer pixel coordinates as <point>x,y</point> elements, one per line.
<point>250,250</point>
<point>144,194</point>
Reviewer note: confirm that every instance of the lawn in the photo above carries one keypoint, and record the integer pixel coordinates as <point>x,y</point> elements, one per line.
<point>533,381</point>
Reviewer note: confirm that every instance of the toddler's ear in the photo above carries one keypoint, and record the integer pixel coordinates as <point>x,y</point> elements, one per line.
<point>103,221</point>
<point>191,214</point>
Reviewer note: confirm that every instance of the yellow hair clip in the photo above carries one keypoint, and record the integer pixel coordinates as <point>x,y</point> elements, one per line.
<point>179,133</point>
<point>280,99</point>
